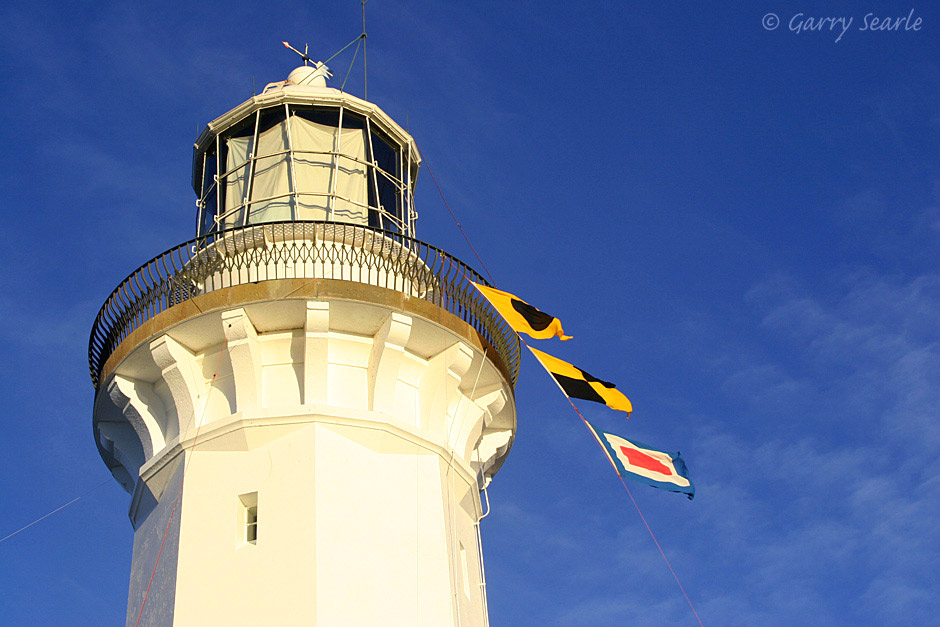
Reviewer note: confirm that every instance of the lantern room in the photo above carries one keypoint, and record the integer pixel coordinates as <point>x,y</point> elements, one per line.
<point>303,151</point>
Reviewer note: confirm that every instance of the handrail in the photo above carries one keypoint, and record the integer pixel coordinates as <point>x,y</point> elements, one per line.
<point>297,249</point>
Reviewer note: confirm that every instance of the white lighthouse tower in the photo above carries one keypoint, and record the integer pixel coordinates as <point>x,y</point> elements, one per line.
<point>304,400</point>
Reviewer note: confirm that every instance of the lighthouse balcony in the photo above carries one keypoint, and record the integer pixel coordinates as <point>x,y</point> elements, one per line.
<point>311,251</point>
<point>169,318</point>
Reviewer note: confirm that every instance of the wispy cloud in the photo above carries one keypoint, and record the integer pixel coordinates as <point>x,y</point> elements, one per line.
<point>854,504</point>
<point>827,515</point>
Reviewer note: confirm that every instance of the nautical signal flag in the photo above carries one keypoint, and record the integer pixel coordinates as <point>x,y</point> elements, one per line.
<point>639,462</point>
<point>523,317</point>
<point>579,384</point>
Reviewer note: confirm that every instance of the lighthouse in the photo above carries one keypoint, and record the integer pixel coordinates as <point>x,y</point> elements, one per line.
<point>304,401</point>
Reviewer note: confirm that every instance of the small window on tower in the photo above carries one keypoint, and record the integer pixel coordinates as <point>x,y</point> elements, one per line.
<point>248,518</point>
<point>251,524</point>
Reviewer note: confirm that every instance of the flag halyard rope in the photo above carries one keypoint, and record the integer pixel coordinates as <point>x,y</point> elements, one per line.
<point>661,552</point>
<point>619,476</point>
<point>156,563</point>
<point>570,401</point>
<point>489,274</point>
<point>179,496</point>
<point>58,509</point>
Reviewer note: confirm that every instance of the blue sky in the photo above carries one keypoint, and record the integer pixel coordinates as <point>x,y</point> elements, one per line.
<point>740,227</point>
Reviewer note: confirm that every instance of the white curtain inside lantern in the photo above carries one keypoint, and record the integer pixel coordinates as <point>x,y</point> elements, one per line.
<point>270,183</point>
<point>236,182</point>
<point>320,174</point>
<point>328,179</point>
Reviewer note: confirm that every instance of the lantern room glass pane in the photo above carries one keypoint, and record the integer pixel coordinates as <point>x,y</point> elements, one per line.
<point>316,164</point>
<point>330,171</point>
<point>236,178</point>
<point>208,204</point>
<point>388,200</point>
<point>236,146</point>
<point>270,192</point>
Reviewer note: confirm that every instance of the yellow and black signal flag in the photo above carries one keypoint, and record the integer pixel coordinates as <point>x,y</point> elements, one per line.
<point>523,317</point>
<point>578,384</point>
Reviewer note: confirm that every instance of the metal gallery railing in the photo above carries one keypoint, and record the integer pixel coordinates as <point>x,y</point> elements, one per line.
<point>297,250</point>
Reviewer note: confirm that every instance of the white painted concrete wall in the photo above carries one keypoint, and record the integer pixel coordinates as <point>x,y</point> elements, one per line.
<point>366,435</point>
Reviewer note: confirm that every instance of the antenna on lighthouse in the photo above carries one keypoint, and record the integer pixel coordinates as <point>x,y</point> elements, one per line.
<point>365,61</point>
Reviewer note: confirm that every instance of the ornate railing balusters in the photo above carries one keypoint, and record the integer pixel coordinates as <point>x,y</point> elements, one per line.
<point>329,250</point>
